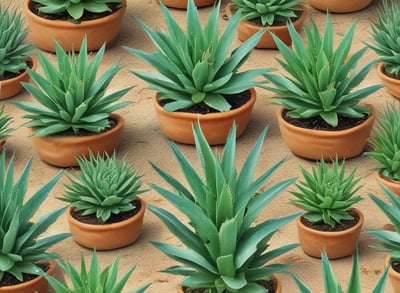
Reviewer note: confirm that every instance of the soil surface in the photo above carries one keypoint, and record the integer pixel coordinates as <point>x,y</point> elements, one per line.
<point>344,225</point>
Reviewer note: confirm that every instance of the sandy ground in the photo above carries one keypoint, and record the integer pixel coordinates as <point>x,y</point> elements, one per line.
<point>143,142</point>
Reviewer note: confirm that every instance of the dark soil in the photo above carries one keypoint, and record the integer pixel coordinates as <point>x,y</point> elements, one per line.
<point>34,7</point>
<point>346,224</point>
<point>83,132</point>
<point>114,218</point>
<point>235,100</point>
<point>270,285</point>
<point>396,266</point>
<point>10,280</point>
<point>11,75</point>
<point>317,123</point>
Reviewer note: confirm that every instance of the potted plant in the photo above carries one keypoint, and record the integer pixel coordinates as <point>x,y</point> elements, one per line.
<point>5,129</point>
<point>339,6</point>
<point>321,114</point>
<point>389,240</point>
<point>269,15</point>
<point>105,211</point>
<point>225,250</point>
<point>69,22</point>
<point>75,114</point>
<point>198,78</point>
<point>386,148</point>
<point>331,284</point>
<point>384,42</point>
<point>15,54</point>
<point>330,222</point>
<point>93,279</point>
<point>24,254</point>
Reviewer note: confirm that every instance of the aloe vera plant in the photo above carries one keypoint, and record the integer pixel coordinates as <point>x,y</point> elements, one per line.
<point>225,250</point>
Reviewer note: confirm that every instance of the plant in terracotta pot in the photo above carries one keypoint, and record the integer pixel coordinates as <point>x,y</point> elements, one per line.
<point>385,33</point>
<point>389,240</point>
<point>105,211</point>
<point>339,6</point>
<point>15,54</point>
<point>270,15</point>
<point>331,283</point>
<point>23,253</point>
<point>93,279</point>
<point>330,222</point>
<point>321,114</point>
<point>225,250</point>
<point>198,77</point>
<point>5,129</point>
<point>75,115</point>
<point>70,21</point>
<point>183,4</point>
<point>386,148</point>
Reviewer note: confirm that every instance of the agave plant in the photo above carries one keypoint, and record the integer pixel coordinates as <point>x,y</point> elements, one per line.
<point>75,8</point>
<point>5,121</point>
<point>321,79</point>
<point>271,12</point>
<point>197,66</point>
<point>331,284</point>
<point>385,35</point>
<point>225,250</point>
<point>104,186</point>
<point>386,143</point>
<point>13,51</point>
<point>93,279</point>
<point>70,97</point>
<point>326,195</point>
<point>21,241</point>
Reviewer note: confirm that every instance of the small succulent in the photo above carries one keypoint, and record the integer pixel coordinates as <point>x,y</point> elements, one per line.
<point>385,37</point>
<point>326,195</point>
<point>331,284</point>
<point>5,121</point>
<point>93,279</point>
<point>225,250</point>
<point>321,79</point>
<point>197,66</point>
<point>105,186</point>
<point>22,245</point>
<point>389,240</point>
<point>13,51</point>
<point>69,95</point>
<point>386,143</point>
<point>75,8</point>
<point>271,12</point>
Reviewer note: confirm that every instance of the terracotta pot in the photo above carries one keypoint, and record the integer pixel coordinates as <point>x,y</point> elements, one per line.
<point>314,144</point>
<point>37,285</point>
<point>392,84</point>
<point>61,151</point>
<point>393,185</point>
<point>108,236</point>
<point>336,244</point>
<point>42,32</point>
<point>339,6</point>
<point>394,276</point>
<point>178,125</point>
<point>11,87</point>
<point>277,280</point>
<point>182,4</point>
<point>246,29</point>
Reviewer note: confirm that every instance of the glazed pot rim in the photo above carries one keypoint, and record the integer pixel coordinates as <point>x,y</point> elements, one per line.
<point>66,23</point>
<point>327,133</point>
<point>208,116</point>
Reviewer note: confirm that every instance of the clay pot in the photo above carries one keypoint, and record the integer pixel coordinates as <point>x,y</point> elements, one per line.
<point>246,29</point>
<point>43,32</point>
<point>336,244</point>
<point>314,144</point>
<point>11,87</point>
<point>394,276</point>
<point>393,185</point>
<point>177,126</point>
<point>339,6</point>
<point>392,84</point>
<point>277,280</point>
<point>182,4</point>
<point>61,151</point>
<point>108,236</point>
<point>37,285</point>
